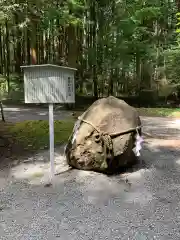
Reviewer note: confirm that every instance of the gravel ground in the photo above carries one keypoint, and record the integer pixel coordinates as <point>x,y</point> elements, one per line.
<point>143,203</point>
<point>87,205</point>
<point>16,114</point>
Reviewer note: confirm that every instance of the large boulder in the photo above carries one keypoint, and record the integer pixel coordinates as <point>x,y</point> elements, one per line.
<point>104,137</point>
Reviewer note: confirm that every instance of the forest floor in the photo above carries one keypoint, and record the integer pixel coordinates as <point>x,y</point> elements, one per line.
<point>143,203</point>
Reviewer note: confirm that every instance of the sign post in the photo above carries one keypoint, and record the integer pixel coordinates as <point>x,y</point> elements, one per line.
<point>51,139</point>
<point>49,84</point>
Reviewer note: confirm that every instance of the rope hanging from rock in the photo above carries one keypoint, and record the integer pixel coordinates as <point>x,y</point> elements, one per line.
<point>107,138</point>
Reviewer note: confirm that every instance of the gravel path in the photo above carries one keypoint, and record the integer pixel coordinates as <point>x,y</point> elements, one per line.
<point>86,205</point>
<point>16,114</point>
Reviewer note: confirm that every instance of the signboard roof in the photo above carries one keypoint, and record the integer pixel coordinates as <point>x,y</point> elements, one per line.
<point>48,65</point>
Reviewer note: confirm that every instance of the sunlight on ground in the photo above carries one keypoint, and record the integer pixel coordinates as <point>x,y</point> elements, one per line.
<point>174,124</point>
<point>95,187</point>
<point>169,143</point>
<point>178,161</point>
<point>137,175</point>
<point>100,188</point>
<point>13,109</point>
<point>36,169</point>
<point>42,114</point>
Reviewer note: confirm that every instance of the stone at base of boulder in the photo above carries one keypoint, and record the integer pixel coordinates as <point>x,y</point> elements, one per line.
<point>132,160</point>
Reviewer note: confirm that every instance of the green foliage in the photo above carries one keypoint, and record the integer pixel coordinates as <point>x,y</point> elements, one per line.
<point>3,87</point>
<point>16,89</point>
<point>172,57</point>
<point>178,29</point>
<point>113,42</point>
<point>35,134</point>
<point>159,112</point>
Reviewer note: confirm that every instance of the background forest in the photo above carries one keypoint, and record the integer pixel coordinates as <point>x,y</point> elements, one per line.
<point>120,47</point>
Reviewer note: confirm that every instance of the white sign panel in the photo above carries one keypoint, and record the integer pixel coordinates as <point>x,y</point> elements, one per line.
<point>49,84</point>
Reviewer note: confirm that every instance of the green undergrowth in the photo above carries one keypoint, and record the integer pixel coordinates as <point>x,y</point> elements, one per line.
<point>160,112</point>
<point>34,135</point>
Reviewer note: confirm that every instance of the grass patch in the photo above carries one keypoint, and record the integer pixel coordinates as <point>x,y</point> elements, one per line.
<point>34,135</point>
<point>160,112</point>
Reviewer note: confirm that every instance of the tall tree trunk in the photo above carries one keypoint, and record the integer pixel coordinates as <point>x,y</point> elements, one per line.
<point>178,5</point>
<point>72,46</point>
<point>2,111</point>
<point>1,52</point>
<point>28,38</point>
<point>41,47</point>
<point>81,65</point>
<point>138,71</point>
<point>111,83</point>
<point>7,57</point>
<point>94,46</point>
<point>18,46</point>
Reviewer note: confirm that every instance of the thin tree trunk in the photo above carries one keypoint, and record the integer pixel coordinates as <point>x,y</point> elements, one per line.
<point>111,83</point>
<point>17,47</point>
<point>28,47</point>
<point>7,57</point>
<point>138,71</point>
<point>1,52</point>
<point>41,47</point>
<point>94,45</point>
<point>2,111</point>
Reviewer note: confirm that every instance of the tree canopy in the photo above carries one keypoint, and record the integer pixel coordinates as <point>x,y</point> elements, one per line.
<point>121,46</point>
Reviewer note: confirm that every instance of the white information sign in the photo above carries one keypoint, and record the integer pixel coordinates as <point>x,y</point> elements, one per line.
<point>49,84</point>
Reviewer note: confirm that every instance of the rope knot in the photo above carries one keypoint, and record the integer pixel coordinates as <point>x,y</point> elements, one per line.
<point>106,139</point>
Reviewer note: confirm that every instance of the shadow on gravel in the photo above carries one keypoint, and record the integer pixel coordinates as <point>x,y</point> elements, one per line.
<point>156,154</point>
<point>142,200</point>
